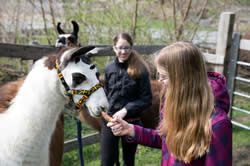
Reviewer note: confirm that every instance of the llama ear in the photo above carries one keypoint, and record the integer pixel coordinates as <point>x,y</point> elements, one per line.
<point>76,28</point>
<point>99,51</point>
<point>75,53</point>
<point>81,51</point>
<point>59,30</point>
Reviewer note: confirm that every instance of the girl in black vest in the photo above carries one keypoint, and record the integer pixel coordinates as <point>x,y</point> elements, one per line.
<point>127,86</point>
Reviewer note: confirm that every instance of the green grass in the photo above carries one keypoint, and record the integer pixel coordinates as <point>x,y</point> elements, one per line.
<point>91,154</point>
<point>241,137</point>
<point>242,103</point>
<point>144,155</point>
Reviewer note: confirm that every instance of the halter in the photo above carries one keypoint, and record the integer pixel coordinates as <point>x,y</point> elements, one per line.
<point>70,92</point>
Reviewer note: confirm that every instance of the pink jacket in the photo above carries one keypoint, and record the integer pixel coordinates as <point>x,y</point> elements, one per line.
<point>220,152</point>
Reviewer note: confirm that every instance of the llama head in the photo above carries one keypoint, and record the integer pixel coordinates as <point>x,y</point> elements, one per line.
<point>67,39</point>
<point>80,74</point>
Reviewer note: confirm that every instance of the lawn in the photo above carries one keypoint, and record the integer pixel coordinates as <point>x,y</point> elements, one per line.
<point>146,156</point>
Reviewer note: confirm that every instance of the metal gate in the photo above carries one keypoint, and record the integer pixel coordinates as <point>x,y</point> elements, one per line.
<point>234,65</point>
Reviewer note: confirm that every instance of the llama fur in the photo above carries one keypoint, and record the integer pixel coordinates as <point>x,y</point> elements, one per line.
<point>31,119</point>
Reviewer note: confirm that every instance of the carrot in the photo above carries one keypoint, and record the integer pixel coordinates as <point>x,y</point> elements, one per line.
<point>106,116</point>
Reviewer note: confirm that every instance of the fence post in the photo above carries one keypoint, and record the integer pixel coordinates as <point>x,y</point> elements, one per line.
<point>224,39</point>
<point>232,68</point>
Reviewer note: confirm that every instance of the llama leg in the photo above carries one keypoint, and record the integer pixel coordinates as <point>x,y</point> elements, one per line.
<point>57,143</point>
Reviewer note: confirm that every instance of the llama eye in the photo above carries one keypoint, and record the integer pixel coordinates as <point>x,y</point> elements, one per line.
<point>62,40</point>
<point>92,67</point>
<point>78,78</point>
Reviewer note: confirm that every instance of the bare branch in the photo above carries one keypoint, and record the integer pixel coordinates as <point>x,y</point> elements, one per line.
<point>180,28</point>
<point>174,15</point>
<point>135,20</point>
<point>52,14</point>
<point>17,16</point>
<point>187,11</point>
<point>198,21</point>
<point>44,21</point>
<point>33,5</point>
<point>166,21</point>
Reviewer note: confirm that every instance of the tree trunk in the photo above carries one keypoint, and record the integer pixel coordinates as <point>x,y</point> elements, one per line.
<point>135,20</point>
<point>52,15</point>
<point>17,16</point>
<point>44,21</point>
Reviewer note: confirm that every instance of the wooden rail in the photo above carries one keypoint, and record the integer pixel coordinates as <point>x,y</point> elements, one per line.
<point>34,52</point>
<point>26,52</point>
<point>86,140</point>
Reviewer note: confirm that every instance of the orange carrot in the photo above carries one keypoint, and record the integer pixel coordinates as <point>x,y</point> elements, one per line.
<point>106,116</point>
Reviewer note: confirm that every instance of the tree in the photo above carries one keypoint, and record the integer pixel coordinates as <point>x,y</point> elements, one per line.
<point>181,16</point>
<point>44,21</point>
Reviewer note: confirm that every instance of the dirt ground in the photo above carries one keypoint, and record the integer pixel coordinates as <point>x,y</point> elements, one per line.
<point>241,156</point>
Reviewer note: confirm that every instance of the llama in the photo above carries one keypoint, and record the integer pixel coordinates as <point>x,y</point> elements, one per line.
<point>67,39</point>
<point>149,119</point>
<point>27,125</point>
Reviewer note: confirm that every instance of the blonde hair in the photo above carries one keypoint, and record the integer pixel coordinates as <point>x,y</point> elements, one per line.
<point>189,101</point>
<point>136,64</point>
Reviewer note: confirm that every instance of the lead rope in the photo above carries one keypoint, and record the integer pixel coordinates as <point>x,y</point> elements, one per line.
<point>79,139</point>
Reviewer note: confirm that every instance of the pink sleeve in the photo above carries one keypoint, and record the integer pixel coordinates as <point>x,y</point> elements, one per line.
<point>220,151</point>
<point>147,137</point>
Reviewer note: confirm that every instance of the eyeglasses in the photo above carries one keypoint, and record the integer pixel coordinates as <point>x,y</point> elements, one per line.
<point>162,77</point>
<point>125,48</point>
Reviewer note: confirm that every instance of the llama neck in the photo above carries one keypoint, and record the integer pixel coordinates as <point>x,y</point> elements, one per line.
<point>37,106</point>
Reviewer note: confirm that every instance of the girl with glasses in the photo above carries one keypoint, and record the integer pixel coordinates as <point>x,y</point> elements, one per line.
<point>127,86</point>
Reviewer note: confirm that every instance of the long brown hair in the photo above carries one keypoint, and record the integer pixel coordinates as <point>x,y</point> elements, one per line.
<point>136,64</point>
<point>189,101</point>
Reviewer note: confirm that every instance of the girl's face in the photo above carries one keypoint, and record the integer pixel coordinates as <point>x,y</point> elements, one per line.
<point>122,50</point>
<point>162,75</point>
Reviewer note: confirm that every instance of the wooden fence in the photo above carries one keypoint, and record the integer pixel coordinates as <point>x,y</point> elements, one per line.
<point>220,60</point>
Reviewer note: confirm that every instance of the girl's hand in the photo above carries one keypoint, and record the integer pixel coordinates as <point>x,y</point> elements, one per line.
<point>120,127</point>
<point>120,114</point>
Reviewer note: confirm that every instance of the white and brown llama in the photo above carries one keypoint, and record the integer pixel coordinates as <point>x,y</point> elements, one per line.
<point>150,117</point>
<point>9,90</point>
<point>27,125</point>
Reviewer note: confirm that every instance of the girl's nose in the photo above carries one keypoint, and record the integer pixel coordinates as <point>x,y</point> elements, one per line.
<point>123,51</point>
